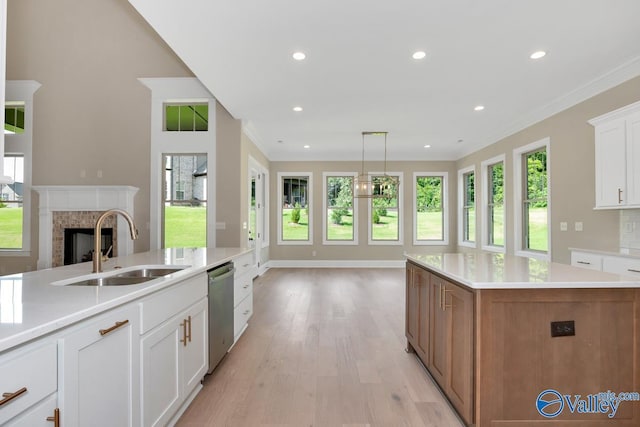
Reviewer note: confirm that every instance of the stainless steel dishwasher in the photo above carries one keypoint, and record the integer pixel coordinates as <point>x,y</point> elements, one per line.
<point>220,312</point>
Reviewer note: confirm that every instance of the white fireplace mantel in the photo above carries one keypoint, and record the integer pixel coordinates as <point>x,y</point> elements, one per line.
<point>63,198</point>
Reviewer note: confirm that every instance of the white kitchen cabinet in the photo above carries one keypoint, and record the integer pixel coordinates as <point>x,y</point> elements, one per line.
<point>243,292</point>
<point>622,265</point>
<point>28,375</point>
<point>617,156</point>
<point>174,351</point>
<point>41,415</point>
<point>99,370</point>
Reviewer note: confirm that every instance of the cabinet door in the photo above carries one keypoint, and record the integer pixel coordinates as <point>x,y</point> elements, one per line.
<point>161,373</point>
<point>98,384</point>
<point>37,416</point>
<point>633,160</point>
<point>611,174</point>
<point>196,352</point>
<point>412,305</point>
<point>459,308</point>
<point>438,345</point>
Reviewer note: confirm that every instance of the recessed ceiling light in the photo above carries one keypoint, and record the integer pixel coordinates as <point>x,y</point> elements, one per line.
<point>307,146</point>
<point>537,55</point>
<point>299,56</point>
<point>297,109</point>
<point>419,55</point>
<point>427,146</point>
<point>478,108</point>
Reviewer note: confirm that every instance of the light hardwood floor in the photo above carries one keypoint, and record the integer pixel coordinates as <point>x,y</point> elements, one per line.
<point>325,347</point>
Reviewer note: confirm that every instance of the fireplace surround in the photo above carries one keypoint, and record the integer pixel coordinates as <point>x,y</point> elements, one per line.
<point>79,206</point>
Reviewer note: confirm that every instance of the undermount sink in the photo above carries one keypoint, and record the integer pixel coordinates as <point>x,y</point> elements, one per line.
<point>127,276</point>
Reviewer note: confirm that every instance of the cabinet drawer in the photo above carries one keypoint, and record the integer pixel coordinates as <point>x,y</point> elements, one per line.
<point>624,266</point>
<point>586,260</point>
<point>32,367</point>
<point>165,304</point>
<point>242,286</point>
<point>243,264</point>
<point>241,315</point>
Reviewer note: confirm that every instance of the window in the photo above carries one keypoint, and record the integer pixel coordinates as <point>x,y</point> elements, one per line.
<point>493,223</point>
<point>14,117</point>
<point>385,226</point>
<point>532,199</point>
<point>11,203</point>
<point>467,196</point>
<point>168,146</point>
<point>430,209</point>
<point>15,198</point>
<point>294,199</point>
<point>186,117</point>
<point>185,201</point>
<point>340,211</point>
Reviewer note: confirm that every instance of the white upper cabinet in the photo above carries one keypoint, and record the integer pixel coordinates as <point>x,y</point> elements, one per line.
<point>617,151</point>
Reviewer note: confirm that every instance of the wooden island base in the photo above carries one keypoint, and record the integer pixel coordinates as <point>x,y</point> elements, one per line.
<point>492,351</point>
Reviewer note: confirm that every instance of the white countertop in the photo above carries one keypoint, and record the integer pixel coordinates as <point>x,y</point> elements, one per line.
<point>30,306</point>
<point>481,270</point>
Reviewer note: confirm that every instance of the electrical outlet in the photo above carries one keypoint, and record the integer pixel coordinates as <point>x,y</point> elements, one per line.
<point>564,226</point>
<point>578,226</point>
<point>566,328</point>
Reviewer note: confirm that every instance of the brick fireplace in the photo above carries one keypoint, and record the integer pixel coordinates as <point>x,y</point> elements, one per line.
<point>79,206</point>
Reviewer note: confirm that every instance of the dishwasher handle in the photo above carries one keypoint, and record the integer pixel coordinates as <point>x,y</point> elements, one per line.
<point>219,278</point>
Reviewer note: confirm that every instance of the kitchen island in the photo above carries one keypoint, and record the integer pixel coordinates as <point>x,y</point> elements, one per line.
<point>132,354</point>
<point>513,341</point>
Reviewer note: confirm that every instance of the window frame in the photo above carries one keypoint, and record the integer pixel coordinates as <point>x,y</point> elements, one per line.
<point>486,186</point>
<point>325,219</point>
<point>179,90</point>
<point>445,209</point>
<point>461,206</point>
<point>281,176</point>
<point>519,230</point>
<point>22,144</point>
<point>400,240</point>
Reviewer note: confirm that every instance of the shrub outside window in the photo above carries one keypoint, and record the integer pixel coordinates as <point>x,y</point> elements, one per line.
<point>294,196</point>
<point>340,210</point>
<point>430,213</point>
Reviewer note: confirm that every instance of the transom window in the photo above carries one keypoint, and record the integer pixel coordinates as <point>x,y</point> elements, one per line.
<point>14,117</point>
<point>182,117</point>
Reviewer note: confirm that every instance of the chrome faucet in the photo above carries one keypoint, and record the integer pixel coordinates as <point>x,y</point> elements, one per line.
<point>97,236</point>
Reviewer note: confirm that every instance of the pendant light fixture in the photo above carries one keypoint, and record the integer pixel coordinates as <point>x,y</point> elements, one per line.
<point>376,187</point>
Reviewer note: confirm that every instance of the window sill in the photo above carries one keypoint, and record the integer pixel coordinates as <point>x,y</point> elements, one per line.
<point>14,253</point>
<point>537,255</point>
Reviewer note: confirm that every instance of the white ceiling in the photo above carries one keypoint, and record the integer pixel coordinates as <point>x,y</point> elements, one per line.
<point>359,74</point>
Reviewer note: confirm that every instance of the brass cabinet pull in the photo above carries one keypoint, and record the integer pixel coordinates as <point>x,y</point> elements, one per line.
<point>189,320</point>
<point>55,418</point>
<point>184,333</point>
<point>104,332</point>
<point>619,195</point>
<point>443,298</point>
<point>8,397</point>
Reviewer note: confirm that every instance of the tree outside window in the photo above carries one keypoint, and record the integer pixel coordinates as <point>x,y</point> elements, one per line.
<point>429,204</point>
<point>535,202</point>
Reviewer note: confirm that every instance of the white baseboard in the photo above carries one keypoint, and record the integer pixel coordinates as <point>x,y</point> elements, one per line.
<point>308,263</point>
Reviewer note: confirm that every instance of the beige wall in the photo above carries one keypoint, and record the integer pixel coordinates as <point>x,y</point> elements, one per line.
<point>572,173</point>
<point>363,251</point>
<point>91,113</point>
<point>231,181</point>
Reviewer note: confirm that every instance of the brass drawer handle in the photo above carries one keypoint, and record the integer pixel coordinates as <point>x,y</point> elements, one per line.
<point>104,332</point>
<point>633,270</point>
<point>55,418</point>
<point>584,262</point>
<point>8,397</point>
